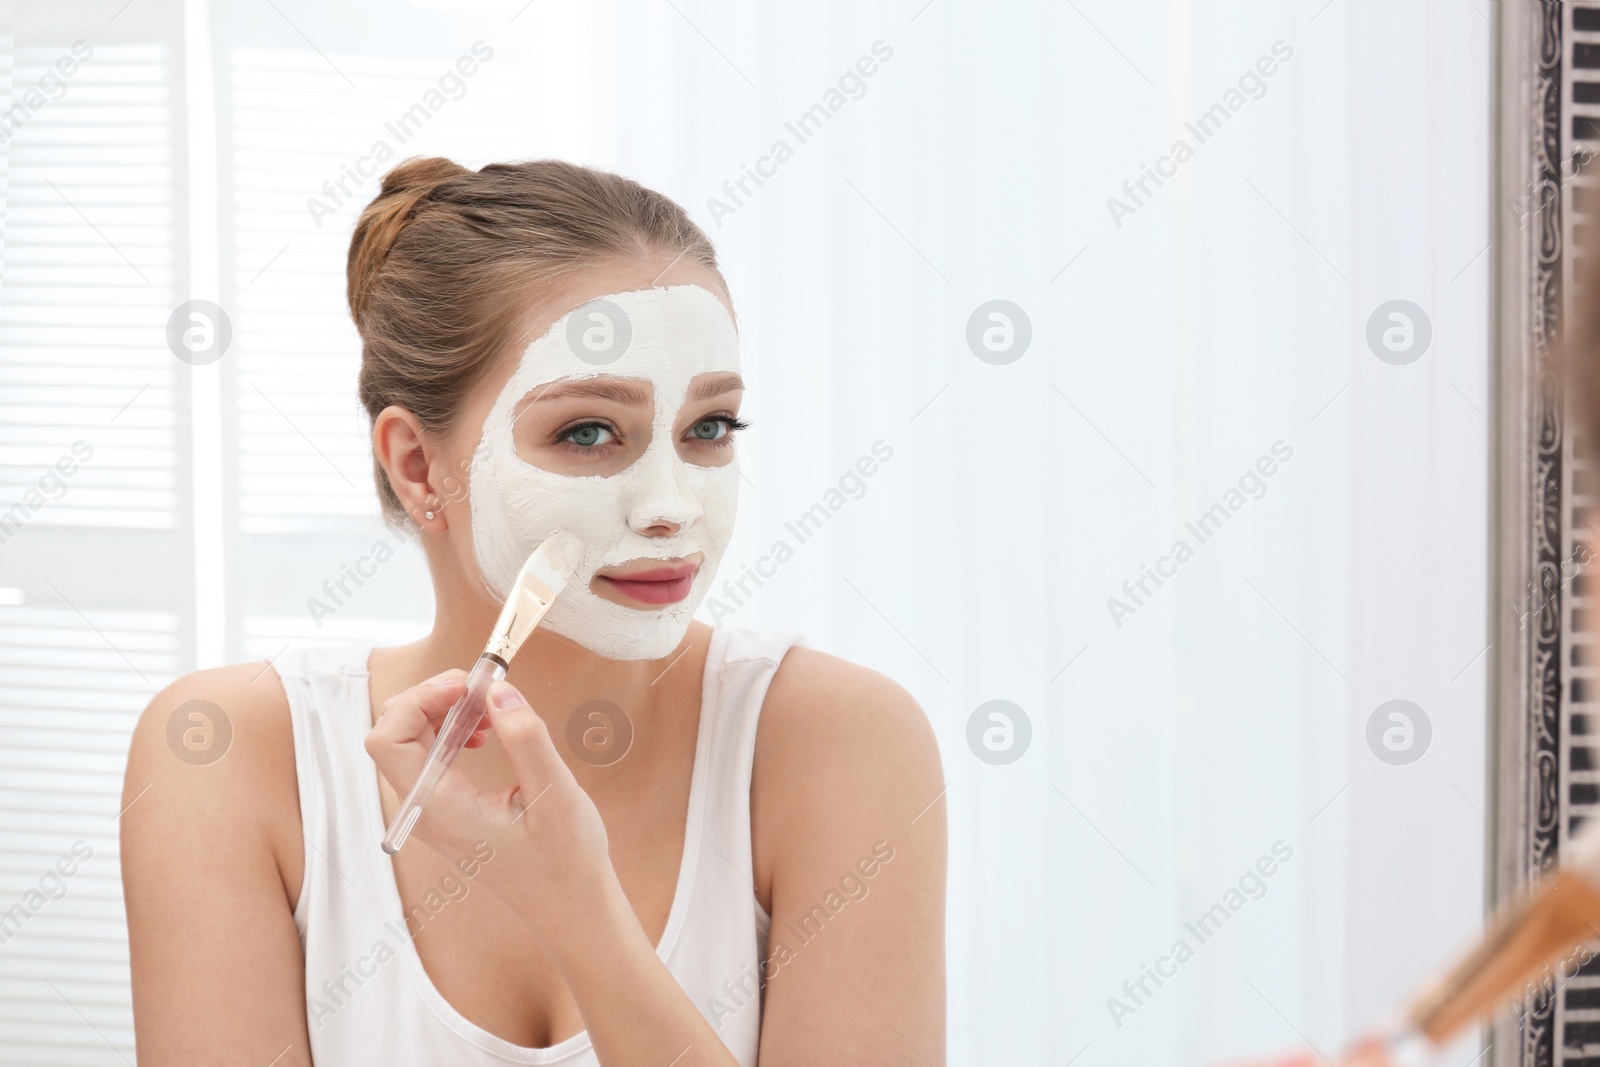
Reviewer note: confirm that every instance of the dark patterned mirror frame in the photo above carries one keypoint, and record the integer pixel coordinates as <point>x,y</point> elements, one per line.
<point>1542,769</point>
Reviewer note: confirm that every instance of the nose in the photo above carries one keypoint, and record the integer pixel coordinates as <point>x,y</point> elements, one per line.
<point>665,502</point>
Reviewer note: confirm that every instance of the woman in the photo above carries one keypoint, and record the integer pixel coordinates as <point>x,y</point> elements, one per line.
<point>751,859</point>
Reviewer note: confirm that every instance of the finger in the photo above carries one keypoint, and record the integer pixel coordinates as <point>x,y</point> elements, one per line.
<point>452,679</point>
<point>1369,1053</point>
<point>431,699</point>
<point>407,722</point>
<point>526,740</point>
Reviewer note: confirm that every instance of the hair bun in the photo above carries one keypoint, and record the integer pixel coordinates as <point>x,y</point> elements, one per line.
<point>404,188</point>
<point>419,172</point>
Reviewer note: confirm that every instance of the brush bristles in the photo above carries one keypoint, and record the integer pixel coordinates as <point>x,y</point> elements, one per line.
<point>554,560</point>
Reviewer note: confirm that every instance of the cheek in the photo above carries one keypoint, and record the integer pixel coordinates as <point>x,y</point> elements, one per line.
<point>594,509</point>
<point>718,491</point>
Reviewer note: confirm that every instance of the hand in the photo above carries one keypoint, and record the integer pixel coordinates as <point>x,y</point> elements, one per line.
<point>1364,1054</point>
<point>549,842</point>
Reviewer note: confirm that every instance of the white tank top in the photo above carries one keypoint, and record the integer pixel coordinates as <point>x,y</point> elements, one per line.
<point>368,998</point>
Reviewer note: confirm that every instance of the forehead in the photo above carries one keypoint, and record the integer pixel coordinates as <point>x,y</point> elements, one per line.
<point>668,336</point>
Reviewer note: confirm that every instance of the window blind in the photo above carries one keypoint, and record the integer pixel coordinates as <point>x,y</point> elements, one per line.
<point>70,691</point>
<point>89,488</point>
<point>307,137</point>
<point>88,274</point>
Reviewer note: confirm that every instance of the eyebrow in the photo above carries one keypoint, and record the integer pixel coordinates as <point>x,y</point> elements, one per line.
<point>625,391</point>
<point>622,390</point>
<point>715,385</point>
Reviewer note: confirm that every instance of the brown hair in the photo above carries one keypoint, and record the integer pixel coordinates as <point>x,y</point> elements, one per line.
<point>437,258</point>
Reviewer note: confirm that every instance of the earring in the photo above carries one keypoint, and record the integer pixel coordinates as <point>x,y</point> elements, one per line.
<point>428,515</point>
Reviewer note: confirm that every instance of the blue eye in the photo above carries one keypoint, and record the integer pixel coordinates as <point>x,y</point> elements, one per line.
<point>706,429</point>
<point>598,437</point>
<point>586,435</point>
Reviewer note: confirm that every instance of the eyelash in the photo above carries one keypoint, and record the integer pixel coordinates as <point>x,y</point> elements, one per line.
<point>563,437</point>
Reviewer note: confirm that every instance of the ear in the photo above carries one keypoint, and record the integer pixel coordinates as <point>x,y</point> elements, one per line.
<point>407,455</point>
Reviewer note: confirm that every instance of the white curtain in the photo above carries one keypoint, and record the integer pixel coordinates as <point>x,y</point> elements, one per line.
<point>1197,370</point>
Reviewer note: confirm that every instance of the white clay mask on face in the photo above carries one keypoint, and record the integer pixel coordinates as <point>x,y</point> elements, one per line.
<point>666,336</point>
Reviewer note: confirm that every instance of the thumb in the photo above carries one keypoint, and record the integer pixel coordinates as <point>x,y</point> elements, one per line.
<point>526,740</point>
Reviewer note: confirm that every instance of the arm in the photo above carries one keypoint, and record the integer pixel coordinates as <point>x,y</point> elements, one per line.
<point>633,1008</point>
<point>216,963</point>
<point>850,839</point>
<point>850,843</point>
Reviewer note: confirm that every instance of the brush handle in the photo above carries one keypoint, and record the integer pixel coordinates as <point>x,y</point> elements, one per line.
<point>458,727</point>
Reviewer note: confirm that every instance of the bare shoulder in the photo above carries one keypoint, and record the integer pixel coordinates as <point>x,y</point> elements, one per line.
<point>845,756</point>
<point>848,834</point>
<point>212,861</point>
<point>212,761</point>
<point>864,717</point>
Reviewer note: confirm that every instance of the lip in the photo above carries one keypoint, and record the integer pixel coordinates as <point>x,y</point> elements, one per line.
<point>657,585</point>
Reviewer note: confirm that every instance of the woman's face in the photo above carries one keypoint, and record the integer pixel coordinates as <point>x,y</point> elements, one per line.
<point>615,422</point>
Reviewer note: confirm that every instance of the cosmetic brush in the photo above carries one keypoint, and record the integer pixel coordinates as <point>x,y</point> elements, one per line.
<point>538,583</point>
<point>1539,926</point>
